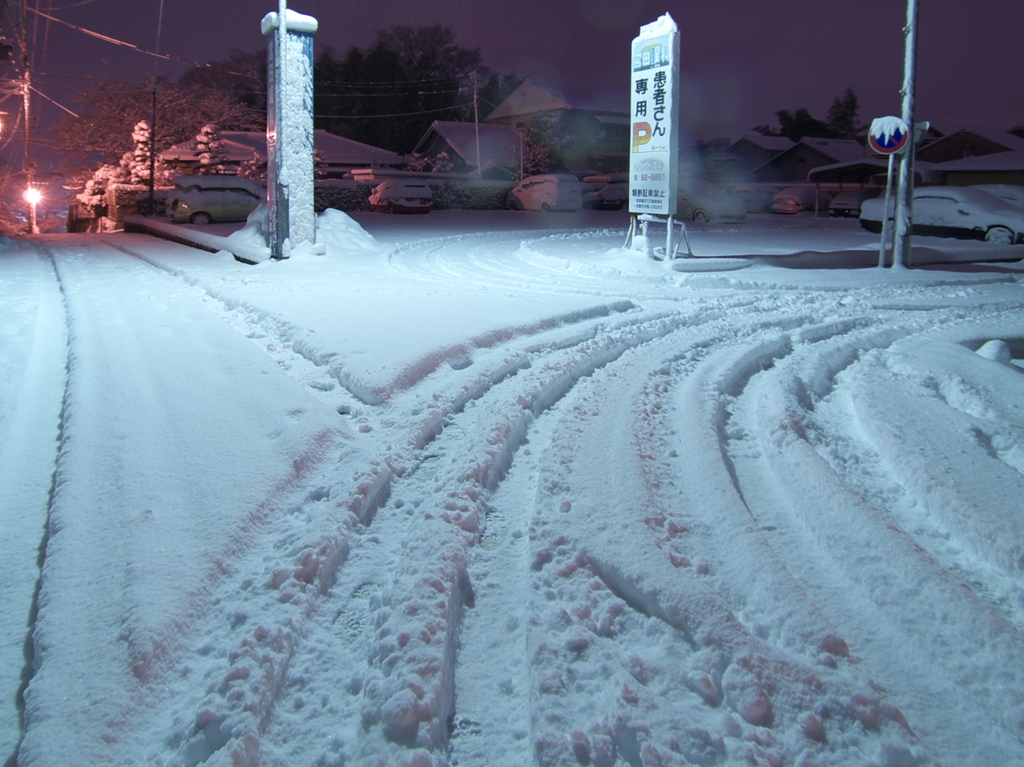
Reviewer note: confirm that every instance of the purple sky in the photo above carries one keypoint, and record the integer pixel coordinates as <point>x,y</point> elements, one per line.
<point>742,60</point>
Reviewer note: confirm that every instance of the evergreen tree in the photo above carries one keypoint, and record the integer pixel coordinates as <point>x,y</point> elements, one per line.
<point>210,147</point>
<point>139,161</point>
<point>842,118</point>
<point>388,94</point>
<point>841,122</point>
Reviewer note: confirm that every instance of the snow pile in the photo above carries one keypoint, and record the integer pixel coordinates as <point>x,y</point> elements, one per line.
<point>342,235</point>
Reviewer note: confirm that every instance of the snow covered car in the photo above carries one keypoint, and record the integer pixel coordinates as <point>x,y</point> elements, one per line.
<point>847,204</point>
<point>955,211</point>
<point>756,199</point>
<point>608,197</point>
<point>1010,193</point>
<point>700,200</point>
<point>796,199</point>
<point>213,199</point>
<point>396,196</point>
<point>548,191</point>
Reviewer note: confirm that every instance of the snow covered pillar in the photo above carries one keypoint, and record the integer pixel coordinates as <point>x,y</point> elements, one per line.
<point>291,219</point>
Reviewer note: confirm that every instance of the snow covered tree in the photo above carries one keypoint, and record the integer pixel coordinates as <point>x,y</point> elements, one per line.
<point>104,109</point>
<point>439,163</point>
<point>255,167</point>
<point>139,158</point>
<point>210,147</point>
<point>545,142</point>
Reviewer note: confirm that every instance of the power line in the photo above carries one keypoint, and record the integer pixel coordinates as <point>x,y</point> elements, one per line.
<point>56,104</point>
<point>115,41</point>
<point>97,35</point>
<point>400,114</point>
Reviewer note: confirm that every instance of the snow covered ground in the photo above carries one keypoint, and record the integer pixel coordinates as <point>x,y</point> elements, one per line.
<point>484,489</point>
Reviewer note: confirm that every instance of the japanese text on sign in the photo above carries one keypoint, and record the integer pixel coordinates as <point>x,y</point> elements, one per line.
<point>653,152</point>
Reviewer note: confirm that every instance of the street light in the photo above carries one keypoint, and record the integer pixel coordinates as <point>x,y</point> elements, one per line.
<point>33,197</point>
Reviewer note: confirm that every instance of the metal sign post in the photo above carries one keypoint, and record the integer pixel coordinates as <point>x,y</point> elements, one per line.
<point>654,147</point>
<point>905,189</point>
<point>888,136</point>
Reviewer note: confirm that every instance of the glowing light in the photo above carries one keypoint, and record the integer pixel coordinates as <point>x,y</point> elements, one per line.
<point>33,196</point>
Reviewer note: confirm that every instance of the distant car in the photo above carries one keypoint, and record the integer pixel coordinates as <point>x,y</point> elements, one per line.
<point>213,199</point>
<point>549,191</point>
<point>397,196</point>
<point>756,199</point>
<point>700,200</point>
<point>608,197</point>
<point>955,211</point>
<point>847,204</point>
<point>1010,193</point>
<point>796,199</point>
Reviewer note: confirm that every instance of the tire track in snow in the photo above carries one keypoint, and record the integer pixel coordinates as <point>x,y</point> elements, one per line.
<point>28,459</point>
<point>112,330</point>
<point>784,695</point>
<point>829,531</point>
<point>407,692</point>
<point>210,721</point>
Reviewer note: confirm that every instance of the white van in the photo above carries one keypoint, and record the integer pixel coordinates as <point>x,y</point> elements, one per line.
<point>549,191</point>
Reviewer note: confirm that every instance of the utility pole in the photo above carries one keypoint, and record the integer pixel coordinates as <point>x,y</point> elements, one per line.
<point>905,189</point>
<point>152,124</point>
<point>31,193</point>
<point>476,123</point>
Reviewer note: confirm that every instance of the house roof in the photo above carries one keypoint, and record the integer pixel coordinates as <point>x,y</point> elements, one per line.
<point>777,144</point>
<point>532,97</point>
<point>1011,161</point>
<point>834,149</point>
<point>335,150</point>
<point>499,144</point>
<point>839,149</point>
<point>863,170</point>
<point>978,141</point>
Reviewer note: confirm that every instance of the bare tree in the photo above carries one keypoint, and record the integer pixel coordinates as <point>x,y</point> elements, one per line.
<point>107,111</point>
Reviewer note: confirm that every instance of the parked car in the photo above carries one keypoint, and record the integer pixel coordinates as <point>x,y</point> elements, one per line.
<point>1010,193</point>
<point>394,195</point>
<point>213,199</point>
<point>608,197</point>
<point>549,191</point>
<point>756,199</point>
<point>796,199</point>
<point>700,200</point>
<point>847,204</point>
<point>955,211</point>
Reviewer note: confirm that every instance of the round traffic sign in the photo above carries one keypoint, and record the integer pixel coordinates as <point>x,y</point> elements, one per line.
<point>888,135</point>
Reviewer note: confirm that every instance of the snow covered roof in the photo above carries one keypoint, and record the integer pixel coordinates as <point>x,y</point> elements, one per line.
<point>532,97</point>
<point>969,142</point>
<point>335,150</point>
<point>838,148</point>
<point>498,143</point>
<point>1009,161</point>
<point>766,143</point>
<point>864,169</point>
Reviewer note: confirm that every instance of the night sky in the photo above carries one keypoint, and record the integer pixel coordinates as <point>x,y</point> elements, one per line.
<point>742,60</point>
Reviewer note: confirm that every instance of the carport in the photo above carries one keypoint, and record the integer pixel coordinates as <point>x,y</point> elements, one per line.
<point>867,171</point>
